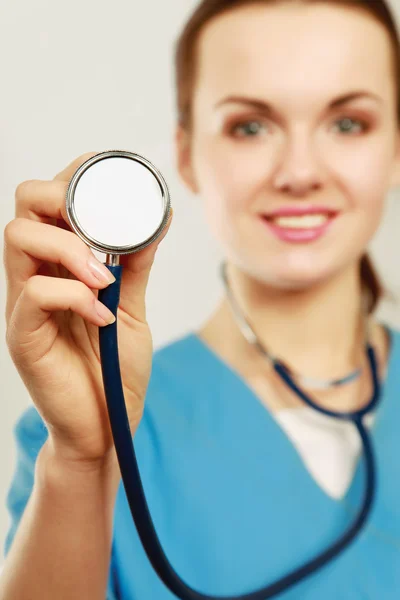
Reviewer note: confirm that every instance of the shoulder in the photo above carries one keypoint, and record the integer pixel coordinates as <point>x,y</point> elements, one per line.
<point>176,364</point>
<point>393,330</point>
<point>393,347</point>
<point>175,354</point>
<point>392,358</point>
<point>181,396</point>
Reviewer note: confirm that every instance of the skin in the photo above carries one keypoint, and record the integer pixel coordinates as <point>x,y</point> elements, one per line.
<point>243,161</point>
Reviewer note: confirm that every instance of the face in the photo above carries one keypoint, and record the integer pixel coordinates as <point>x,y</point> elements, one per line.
<point>273,131</point>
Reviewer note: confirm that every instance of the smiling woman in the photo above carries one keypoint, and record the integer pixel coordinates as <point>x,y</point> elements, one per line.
<point>289,130</point>
<point>256,63</point>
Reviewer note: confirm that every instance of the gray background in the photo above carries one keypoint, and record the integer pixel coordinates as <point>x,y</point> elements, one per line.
<point>90,76</point>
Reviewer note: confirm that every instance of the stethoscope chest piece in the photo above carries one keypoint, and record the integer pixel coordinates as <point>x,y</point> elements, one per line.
<point>117,202</point>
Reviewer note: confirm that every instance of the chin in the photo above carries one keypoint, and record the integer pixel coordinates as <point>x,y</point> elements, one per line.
<point>289,277</point>
<point>297,269</point>
<point>298,283</point>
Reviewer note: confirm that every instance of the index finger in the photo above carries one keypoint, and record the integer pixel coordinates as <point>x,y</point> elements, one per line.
<point>42,200</point>
<point>67,173</point>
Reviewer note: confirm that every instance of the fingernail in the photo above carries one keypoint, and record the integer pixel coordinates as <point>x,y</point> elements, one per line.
<point>104,312</point>
<point>99,270</point>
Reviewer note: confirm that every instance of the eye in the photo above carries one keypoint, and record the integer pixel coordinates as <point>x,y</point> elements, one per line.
<point>245,129</point>
<point>346,125</point>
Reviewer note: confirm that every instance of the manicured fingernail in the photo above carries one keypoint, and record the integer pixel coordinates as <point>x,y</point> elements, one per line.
<point>104,312</point>
<point>100,271</point>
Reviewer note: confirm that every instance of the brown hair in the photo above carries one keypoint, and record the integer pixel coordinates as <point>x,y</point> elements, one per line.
<point>185,75</point>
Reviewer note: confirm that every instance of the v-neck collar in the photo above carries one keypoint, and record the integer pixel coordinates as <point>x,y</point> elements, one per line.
<point>382,412</point>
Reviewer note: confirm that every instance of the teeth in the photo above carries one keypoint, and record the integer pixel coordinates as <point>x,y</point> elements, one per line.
<point>301,222</point>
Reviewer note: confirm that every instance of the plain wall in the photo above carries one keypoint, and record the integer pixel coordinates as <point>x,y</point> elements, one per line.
<point>93,76</point>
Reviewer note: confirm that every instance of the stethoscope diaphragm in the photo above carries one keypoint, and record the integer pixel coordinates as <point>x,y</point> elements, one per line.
<point>117,202</point>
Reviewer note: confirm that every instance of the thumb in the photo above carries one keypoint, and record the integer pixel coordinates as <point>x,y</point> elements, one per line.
<point>135,277</point>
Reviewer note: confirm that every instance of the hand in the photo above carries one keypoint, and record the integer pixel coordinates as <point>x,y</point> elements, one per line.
<point>53,315</point>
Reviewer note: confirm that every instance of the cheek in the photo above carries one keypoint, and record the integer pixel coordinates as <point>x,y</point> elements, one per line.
<point>229,176</point>
<point>365,179</point>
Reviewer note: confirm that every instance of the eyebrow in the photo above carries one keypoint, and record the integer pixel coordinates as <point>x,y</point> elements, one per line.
<point>264,106</point>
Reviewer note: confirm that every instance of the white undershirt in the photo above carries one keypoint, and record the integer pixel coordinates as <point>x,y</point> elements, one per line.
<point>328,446</point>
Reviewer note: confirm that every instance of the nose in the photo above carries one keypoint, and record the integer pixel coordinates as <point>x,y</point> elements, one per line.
<point>299,172</point>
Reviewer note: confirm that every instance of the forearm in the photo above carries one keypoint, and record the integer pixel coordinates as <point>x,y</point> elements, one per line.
<point>62,546</point>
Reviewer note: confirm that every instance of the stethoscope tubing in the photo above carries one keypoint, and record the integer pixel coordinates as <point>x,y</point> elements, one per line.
<point>113,388</point>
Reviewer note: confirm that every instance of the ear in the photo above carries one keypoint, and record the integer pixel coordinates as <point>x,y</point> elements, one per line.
<point>395,179</point>
<point>184,158</point>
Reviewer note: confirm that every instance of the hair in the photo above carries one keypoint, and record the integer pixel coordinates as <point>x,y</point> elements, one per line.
<point>185,76</point>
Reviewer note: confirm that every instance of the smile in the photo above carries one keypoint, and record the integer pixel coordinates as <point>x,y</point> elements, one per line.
<point>301,228</point>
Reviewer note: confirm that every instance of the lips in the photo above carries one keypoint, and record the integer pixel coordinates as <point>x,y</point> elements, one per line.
<point>305,224</point>
<point>297,211</point>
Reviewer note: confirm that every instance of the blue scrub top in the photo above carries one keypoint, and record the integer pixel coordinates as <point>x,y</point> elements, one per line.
<point>234,505</point>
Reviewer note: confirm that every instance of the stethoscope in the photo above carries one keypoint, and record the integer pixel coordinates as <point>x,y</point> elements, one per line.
<point>124,202</point>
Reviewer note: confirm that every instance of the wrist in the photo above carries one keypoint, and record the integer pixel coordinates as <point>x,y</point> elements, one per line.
<point>54,465</point>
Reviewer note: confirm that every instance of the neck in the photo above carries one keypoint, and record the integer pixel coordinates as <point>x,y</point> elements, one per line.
<point>318,332</point>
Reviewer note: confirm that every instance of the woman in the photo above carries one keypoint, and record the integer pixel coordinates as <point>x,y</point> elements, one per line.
<point>289,117</point>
